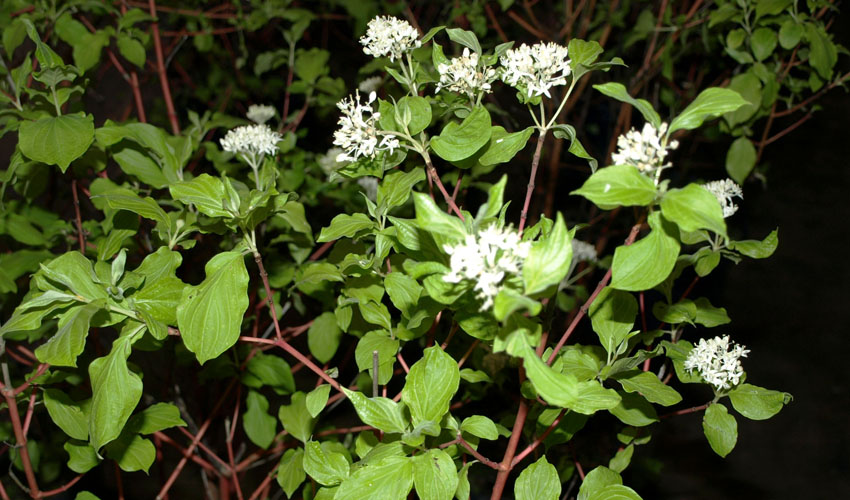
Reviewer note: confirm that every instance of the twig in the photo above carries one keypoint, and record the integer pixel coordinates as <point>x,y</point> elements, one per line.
<point>481,458</point>
<point>535,160</point>
<point>583,310</point>
<point>81,238</point>
<point>539,440</point>
<point>160,66</point>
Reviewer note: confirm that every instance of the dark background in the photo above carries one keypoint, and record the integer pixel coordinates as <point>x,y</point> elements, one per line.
<point>793,311</point>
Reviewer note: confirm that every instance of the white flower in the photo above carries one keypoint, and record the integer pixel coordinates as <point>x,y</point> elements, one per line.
<point>370,187</point>
<point>724,191</point>
<point>328,162</point>
<point>644,150</point>
<point>583,251</point>
<point>251,141</point>
<point>370,84</point>
<point>462,75</point>
<point>536,69</point>
<point>389,36</point>
<point>486,259</point>
<point>718,361</point>
<point>358,133</point>
<point>260,113</point>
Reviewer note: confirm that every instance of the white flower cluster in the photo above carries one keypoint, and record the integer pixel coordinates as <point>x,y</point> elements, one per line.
<point>537,68</point>
<point>724,191</point>
<point>358,130</point>
<point>251,141</point>
<point>462,75</point>
<point>328,162</point>
<point>389,36</point>
<point>371,84</point>
<point>260,113</point>
<point>644,150</point>
<point>486,259</point>
<point>718,361</point>
<point>583,251</point>
<point>370,186</point>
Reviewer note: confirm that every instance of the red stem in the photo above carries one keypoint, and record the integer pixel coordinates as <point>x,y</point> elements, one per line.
<point>160,67</point>
<point>583,310</point>
<point>535,161</point>
<point>528,449</point>
<point>21,440</point>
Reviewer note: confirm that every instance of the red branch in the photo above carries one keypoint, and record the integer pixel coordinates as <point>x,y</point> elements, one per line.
<point>160,67</point>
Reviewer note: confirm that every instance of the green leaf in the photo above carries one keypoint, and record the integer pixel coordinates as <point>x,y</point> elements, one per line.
<point>539,481</point>
<point>431,218</point>
<point>618,185</point>
<point>597,480</point>
<point>259,426</point>
<point>323,337</point>
<point>763,42</point>
<point>634,410</point>
<point>125,199</point>
<point>548,259</point>
<point>564,131</point>
<point>740,159</point>
<point>720,429</point>
<point>823,55</point>
<point>684,311</point>
<point>75,271</point>
<point>154,418</point>
<point>612,315</point>
<point>68,415</point>
<point>562,390</point>
<point>430,385</point>
<point>295,418</point>
<point>344,225</point>
<point>395,188</point>
<point>618,91</point>
<point>404,291</point>
<point>749,87</point>
<point>757,403</point>
<point>417,110</point>
<point>615,492</point>
<point>45,55</point>
<point>647,262</point>
<point>115,392</point>
<point>790,34</point>
<point>132,452</point>
<point>273,371</point>
<point>69,341</point>
<point>771,7</point>
<point>509,301</point>
<point>325,466</point>
<point>621,460</point>
<point>131,49</point>
<point>504,146</point>
<point>693,207</point>
<point>458,142</point>
<point>389,479</point>
<point>317,399</point>
<point>757,249</point>
<point>387,349</point>
<point>465,38</point>
<point>210,315</point>
<point>381,413</point>
<point>710,103</point>
<point>85,495</point>
<point>56,140</point>
<point>151,138</point>
<point>82,457</point>
<point>207,193</point>
<point>434,475</point>
<point>648,385</point>
<point>160,298</point>
<point>708,315</point>
<point>290,471</point>
<point>480,426</point>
